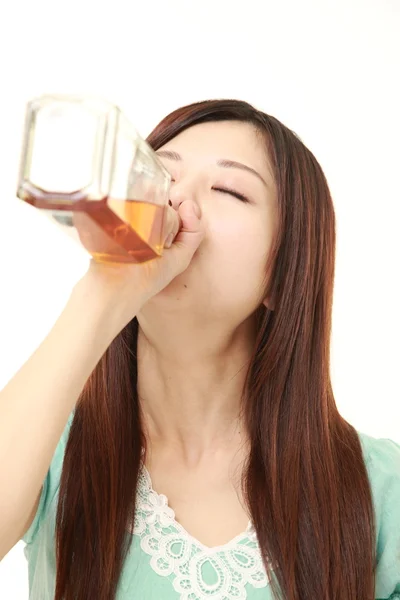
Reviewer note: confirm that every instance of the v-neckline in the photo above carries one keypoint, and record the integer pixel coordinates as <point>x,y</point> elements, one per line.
<point>162,499</point>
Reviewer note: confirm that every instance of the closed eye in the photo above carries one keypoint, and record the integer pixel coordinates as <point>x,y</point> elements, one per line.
<point>233,193</point>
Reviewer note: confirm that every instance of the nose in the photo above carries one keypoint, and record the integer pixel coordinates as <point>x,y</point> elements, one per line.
<point>181,191</point>
<point>176,198</point>
<point>175,203</point>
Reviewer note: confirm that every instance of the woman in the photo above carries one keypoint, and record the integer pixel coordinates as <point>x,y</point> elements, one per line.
<point>212,405</point>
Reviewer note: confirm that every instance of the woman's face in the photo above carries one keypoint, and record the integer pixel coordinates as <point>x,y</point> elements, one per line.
<point>224,279</point>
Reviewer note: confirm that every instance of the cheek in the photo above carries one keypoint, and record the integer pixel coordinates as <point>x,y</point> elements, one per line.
<point>228,228</point>
<point>238,236</point>
<point>237,252</point>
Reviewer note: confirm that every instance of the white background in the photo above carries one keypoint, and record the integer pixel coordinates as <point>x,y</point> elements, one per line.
<point>328,70</point>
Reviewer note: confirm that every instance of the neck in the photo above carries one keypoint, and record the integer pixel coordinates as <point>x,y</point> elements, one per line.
<point>191,400</point>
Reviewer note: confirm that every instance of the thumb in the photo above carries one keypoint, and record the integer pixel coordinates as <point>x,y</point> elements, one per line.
<point>191,232</point>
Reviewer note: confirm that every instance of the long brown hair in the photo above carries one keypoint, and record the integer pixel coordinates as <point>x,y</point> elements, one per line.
<point>305,481</point>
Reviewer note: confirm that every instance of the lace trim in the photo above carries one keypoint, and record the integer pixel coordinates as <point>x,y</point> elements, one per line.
<point>174,551</point>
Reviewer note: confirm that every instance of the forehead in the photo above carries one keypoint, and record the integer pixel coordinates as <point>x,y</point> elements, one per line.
<point>227,139</point>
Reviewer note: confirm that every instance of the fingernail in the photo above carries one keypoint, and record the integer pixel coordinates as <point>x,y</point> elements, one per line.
<point>168,241</point>
<point>196,210</point>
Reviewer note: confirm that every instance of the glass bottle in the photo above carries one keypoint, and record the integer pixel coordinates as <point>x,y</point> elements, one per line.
<point>84,164</point>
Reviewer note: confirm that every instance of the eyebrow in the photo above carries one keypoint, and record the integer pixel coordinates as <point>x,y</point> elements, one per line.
<point>222,162</point>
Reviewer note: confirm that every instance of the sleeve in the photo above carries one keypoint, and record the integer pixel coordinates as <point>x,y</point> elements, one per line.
<point>383,466</point>
<point>50,484</point>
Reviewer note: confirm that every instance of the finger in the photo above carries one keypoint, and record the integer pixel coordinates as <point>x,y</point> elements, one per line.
<point>191,232</point>
<point>172,224</point>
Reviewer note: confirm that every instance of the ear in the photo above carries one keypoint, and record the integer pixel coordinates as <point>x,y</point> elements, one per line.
<point>268,303</point>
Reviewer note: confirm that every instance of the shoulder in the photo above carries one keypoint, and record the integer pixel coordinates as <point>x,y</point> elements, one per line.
<point>51,484</point>
<point>58,457</point>
<point>382,458</point>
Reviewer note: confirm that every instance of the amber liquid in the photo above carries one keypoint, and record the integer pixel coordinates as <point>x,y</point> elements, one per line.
<point>112,231</point>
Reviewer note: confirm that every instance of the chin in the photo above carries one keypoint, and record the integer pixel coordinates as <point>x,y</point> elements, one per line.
<point>174,289</point>
<point>178,294</point>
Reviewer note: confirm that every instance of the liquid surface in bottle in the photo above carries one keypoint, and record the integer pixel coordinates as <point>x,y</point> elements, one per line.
<point>112,230</point>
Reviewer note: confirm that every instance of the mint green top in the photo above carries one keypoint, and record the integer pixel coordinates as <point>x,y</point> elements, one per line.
<point>166,563</point>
